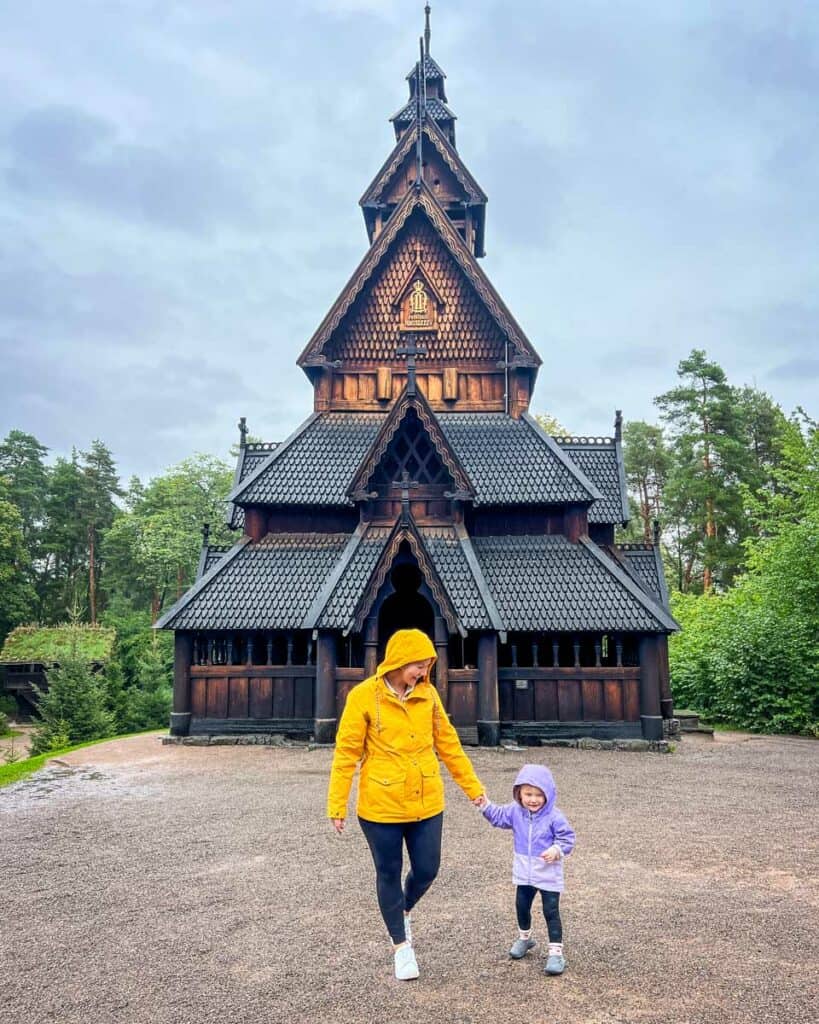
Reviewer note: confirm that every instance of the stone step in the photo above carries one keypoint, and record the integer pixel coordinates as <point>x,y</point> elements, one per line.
<point>690,722</point>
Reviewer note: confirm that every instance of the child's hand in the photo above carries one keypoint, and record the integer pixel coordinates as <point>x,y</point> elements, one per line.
<point>481,801</point>
<point>551,855</point>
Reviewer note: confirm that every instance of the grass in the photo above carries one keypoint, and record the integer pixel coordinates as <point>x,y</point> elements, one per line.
<point>48,644</point>
<point>21,769</point>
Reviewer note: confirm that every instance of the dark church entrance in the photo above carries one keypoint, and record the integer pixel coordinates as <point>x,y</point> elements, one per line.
<point>406,607</point>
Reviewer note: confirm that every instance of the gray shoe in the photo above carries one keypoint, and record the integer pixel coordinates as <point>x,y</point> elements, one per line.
<point>555,964</point>
<point>520,947</point>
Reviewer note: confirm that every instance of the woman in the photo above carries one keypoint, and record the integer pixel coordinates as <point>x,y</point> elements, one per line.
<point>394,724</point>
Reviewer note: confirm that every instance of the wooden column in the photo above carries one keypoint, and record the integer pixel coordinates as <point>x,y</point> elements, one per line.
<point>255,523</point>
<point>488,701</point>
<point>650,717</point>
<point>666,699</point>
<point>575,522</point>
<point>182,656</point>
<point>325,722</point>
<point>442,664</point>
<point>370,646</point>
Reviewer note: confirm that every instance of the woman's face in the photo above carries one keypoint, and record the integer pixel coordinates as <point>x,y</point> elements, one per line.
<point>411,674</point>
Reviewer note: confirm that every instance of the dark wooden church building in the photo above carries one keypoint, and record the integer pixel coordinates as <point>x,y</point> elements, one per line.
<point>421,492</point>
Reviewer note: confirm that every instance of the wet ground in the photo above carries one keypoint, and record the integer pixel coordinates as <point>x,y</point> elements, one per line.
<point>151,883</point>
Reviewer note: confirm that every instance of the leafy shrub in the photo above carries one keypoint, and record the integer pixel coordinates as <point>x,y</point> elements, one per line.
<point>742,660</point>
<point>4,724</point>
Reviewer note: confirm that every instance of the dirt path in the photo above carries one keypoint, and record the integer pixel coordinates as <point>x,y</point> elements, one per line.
<point>160,884</point>
<point>19,745</point>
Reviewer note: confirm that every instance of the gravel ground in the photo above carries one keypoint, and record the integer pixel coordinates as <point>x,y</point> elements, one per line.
<point>150,883</point>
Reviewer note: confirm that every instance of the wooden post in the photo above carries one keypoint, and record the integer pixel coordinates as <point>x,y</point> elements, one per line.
<point>442,664</point>
<point>325,722</point>
<point>488,702</point>
<point>575,523</point>
<point>450,384</point>
<point>650,718</point>
<point>666,698</point>
<point>370,646</point>
<point>255,523</point>
<point>181,713</point>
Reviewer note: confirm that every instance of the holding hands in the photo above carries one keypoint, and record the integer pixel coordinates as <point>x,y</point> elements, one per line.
<point>481,801</point>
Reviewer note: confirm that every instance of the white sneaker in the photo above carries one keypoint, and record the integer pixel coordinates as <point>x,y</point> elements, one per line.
<point>406,966</point>
<point>408,929</point>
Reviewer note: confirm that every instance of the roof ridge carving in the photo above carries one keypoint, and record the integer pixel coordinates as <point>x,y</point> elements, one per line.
<point>313,354</point>
<point>390,428</point>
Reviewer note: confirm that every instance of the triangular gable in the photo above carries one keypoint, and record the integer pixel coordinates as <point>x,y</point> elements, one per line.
<point>405,530</point>
<point>391,426</point>
<point>420,199</point>
<point>406,145</point>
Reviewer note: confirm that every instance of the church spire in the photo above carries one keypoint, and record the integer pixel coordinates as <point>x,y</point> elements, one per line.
<point>433,87</point>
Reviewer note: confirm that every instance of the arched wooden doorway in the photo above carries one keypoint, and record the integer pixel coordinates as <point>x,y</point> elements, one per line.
<point>407,607</point>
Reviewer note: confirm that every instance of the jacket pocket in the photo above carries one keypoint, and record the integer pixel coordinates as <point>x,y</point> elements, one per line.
<point>432,785</point>
<point>384,795</point>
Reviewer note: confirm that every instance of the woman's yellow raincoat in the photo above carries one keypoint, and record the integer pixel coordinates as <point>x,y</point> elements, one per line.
<point>396,742</point>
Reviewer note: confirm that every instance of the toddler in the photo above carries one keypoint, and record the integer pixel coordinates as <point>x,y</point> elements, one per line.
<point>542,838</point>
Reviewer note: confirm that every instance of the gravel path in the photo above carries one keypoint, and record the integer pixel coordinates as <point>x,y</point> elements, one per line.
<point>150,884</point>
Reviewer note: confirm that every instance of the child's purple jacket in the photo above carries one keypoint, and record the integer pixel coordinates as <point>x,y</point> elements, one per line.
<point>533,834</point>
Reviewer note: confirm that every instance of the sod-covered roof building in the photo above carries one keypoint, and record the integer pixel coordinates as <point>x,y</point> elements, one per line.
<point>421,492</point>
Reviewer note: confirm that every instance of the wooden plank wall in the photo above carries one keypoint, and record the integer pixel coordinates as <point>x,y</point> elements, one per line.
<point>569,694</point>
<point>252,691</point>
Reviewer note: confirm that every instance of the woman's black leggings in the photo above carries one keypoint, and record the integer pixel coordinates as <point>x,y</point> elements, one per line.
<point>551,910</point>
<point>386,842</point>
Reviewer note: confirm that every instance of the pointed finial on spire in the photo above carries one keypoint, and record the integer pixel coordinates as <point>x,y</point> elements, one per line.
<point>656,531</point>
<point>242,432</point>
<point>427,32</point>
<point>205,534</point>
<point>618,425</point>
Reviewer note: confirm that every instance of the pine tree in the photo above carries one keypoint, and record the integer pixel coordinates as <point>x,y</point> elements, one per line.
<point>74,708</point>
<point>97,510</point>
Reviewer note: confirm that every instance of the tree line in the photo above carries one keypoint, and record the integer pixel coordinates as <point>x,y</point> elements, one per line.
<point>731,479</point>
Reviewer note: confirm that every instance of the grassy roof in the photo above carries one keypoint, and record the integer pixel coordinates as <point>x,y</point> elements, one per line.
<point>50,644</point>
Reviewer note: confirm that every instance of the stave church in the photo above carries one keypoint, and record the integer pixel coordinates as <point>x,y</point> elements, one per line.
<point>421,492</point>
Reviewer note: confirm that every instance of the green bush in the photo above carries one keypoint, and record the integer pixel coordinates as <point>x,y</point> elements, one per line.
<point>73,709</point>
<point>4,724</point>
<point>743,660</point>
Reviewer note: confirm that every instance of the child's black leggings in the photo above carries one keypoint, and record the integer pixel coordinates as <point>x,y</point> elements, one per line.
<point>551,910</point>
<point>386,842</point>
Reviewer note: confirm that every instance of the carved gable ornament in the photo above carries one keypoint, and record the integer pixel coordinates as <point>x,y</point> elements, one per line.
<point>418,303</point>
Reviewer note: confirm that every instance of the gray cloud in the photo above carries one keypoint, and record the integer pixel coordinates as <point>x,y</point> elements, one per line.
<point>64,152</point>
<point>179,187</point>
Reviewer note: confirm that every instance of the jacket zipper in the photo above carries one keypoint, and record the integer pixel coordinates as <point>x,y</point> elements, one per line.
<point>529,858</point>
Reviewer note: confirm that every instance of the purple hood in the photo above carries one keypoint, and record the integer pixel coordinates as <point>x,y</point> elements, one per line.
<point>539,776</point>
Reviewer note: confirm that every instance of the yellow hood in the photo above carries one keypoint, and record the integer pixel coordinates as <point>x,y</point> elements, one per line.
<point>404,646</point>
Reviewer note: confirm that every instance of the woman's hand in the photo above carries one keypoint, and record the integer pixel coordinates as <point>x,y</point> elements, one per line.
<point>338,824</point>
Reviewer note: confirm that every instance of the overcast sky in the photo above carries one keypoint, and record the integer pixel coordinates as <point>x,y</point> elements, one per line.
<point>179,182</point>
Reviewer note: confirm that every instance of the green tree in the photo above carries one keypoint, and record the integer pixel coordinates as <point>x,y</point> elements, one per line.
<point>152,551</point>
<point>97,508</point>
<point>551,425</point>
<point>751,656</point>
<point>63,542</point>
<point>23,468</point>
<point>17,596</point>
<point>710,460</point>
<point>647,463</point>
<point>74,708</point>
